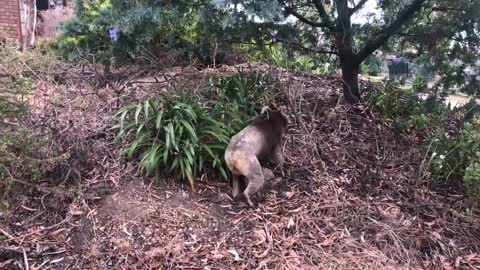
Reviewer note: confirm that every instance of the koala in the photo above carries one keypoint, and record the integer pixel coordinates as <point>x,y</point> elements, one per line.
<point>257,143</point>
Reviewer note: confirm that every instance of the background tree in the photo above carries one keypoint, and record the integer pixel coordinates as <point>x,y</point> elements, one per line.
<point>446,42</point>
<point>326,27</point>
<point>337,36</point>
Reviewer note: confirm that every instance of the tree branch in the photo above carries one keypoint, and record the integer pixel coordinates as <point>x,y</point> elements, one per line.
<point>324,15</point>
<point>302,18</point>
<point>305,48</point>
<point>378,40</point>
<point>357,7</point>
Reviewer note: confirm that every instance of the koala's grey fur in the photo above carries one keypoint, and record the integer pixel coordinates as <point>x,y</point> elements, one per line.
<point>259,141</point>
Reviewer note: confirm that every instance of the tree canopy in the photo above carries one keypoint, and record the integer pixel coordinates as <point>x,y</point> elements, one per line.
<point>447,31</point>
<point>442,36</point>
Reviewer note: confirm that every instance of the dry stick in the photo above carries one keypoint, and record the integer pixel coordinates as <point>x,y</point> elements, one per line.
<point>25,259</point>
<point>9,236</point>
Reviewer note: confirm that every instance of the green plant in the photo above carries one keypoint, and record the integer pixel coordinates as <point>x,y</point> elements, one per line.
<point>13,90</point>
<point>456,158</point>
<point>364,69</point>
<point>472,180</point>
<point>244,91</point>
<point>20,157</point>
<point>406,110</point>
<point>187,133</point>
<point>170,132</point>
<point>116,32</point>
<point>419,83</point>
<point>374,65</point>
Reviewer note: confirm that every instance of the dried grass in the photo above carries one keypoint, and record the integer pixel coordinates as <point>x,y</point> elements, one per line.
<point>51,20</point>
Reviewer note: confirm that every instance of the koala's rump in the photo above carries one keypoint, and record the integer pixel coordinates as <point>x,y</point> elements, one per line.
<point>244,150</point>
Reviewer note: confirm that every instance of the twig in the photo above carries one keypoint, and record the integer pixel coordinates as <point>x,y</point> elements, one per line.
<point>9,236</point>
<point>25,259</point>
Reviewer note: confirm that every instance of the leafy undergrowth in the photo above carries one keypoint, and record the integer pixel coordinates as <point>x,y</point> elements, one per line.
<point>350,199</point>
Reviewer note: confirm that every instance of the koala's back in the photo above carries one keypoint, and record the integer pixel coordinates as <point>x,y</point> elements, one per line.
<point>249,140</point>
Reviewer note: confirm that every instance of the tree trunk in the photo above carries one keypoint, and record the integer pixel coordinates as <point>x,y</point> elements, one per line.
<point>350,69</point>
<point>348,60</point>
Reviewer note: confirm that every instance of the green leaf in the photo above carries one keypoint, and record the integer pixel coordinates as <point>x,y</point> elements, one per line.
<point>174,163</point>
<point>165,156</point>
<point>158,121</point>
<point>218,136</point>
<point>190,129</point>
<point>223,173</point>
<point>122,119</point>
<point>135,144</point>
<point>137,114</point>
<point>182,167</point>
<point>209,150</point>
<point>167,138</point>
<point>139,129</point>
<point>171,132</point>
<point>146,108</point>
<point>188,155</point>
<point>154,156</point>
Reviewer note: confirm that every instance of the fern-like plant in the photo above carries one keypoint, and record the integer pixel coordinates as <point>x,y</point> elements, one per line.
<point>185,133</point>
<point>174,133</point>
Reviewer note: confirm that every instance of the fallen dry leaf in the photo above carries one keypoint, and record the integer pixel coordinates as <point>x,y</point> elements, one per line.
<point>234,253</point>
<point>326,242</point>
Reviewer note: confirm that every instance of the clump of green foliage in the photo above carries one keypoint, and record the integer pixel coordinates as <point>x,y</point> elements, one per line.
<point>283,56</point>
<point>18,145</point>
<point>13,89</point>
<point>419,84</point>
<point>406,109</point>
<point>472,179</point>
<point>458,157</point>
<point>23,152</point>
<point>19,157</point>
<point>119,31</point>
<point>186,133</point>
<point>374,65</point>
<point>85,36</point>
<point>453,155</point>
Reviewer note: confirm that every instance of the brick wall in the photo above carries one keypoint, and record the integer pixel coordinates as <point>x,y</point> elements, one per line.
<point>10,18</point>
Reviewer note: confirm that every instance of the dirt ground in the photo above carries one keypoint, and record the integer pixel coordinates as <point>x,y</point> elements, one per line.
<point>351,198</point>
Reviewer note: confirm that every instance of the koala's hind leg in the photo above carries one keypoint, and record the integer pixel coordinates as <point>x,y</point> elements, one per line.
<point>277,158</point>
<point>236,186</point>
<point>239,185</point>
<point>255,179</point>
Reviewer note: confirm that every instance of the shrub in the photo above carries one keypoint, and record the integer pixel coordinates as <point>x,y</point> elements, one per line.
<point>455,158</point>
<point>85,36</point>
<point>374,65</point>
<point>187,133</point>
<point>472,180</point>
<point>12,96</point>
<point>364,69</point>
<point>419,83</point>
<point>284,57</point>
<point>19,147</point>
<point>20,157</point>
<point>406,110</point>
<point>119,31</point>
<point>244,91</point>
<point>171,132</point>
